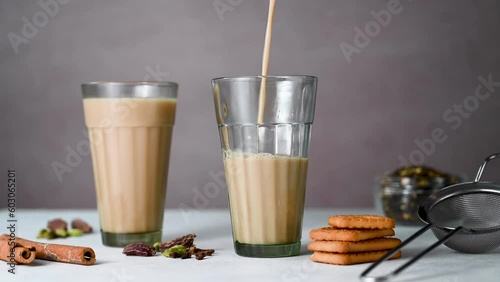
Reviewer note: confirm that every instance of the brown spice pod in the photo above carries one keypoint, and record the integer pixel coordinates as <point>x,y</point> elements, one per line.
<point>57,223</point>
<point>59,253</point>
<point>82,225</point>
<point>22,255</point>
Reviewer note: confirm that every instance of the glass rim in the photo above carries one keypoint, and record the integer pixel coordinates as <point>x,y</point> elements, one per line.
<point>130,89</point>
<point>253,78</point>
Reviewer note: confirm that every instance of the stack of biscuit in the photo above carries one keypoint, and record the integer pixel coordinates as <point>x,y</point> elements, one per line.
<point>353,239</point>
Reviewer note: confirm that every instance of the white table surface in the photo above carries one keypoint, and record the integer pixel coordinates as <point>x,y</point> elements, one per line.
<point>213,230</point>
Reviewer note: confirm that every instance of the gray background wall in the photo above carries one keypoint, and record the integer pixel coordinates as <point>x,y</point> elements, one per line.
<point>370,111</point>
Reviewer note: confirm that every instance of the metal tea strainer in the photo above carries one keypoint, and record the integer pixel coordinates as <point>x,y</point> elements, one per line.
<point>465,217</point>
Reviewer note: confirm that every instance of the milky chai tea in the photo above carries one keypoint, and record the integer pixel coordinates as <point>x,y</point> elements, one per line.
<point>130,131</point>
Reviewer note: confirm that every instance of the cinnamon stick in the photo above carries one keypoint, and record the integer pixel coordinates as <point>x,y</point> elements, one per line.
<point>56,252</point>
<point>16,253</point>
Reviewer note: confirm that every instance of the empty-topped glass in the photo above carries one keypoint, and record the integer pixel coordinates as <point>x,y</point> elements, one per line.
<point>265,153</point>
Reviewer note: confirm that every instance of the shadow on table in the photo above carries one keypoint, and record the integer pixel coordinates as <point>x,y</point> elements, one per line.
<point>38,262</point>
<point>304,250</point>
<point>441,259</point>
<point>214,231</point>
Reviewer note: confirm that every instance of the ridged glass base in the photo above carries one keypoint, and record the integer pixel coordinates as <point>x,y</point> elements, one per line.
<point>123,239</point>
<point>267,251</point>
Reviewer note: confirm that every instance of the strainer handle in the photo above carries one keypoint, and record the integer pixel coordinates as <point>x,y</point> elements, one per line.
<point>483,166</point>
<point>393,274</point>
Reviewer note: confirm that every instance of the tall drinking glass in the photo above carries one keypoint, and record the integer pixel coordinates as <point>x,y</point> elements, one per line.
<point>265,152</point>
<point>130,130</point>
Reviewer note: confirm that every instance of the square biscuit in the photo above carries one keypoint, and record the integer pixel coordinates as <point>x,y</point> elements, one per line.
<point>348,259</point>
<point>354,247</point>
<point>351,235</point>
<point>368,221</point>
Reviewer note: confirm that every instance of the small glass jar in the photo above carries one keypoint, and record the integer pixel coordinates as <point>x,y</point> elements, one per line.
<point>399,194</point>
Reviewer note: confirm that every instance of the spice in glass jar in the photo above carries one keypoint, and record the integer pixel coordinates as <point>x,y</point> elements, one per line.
<point>402,191</point>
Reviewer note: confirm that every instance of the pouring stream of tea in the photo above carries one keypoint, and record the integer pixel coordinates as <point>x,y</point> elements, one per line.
<point>265,62</point>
